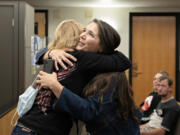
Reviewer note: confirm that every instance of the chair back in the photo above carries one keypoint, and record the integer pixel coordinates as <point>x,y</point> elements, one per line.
<point>177,128</point>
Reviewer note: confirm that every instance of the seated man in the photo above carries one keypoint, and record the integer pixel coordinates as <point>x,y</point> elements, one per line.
<point>152,100</point>
<point>166,113</point>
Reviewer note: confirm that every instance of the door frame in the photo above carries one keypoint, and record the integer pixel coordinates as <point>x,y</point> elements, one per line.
<point>177,72</point>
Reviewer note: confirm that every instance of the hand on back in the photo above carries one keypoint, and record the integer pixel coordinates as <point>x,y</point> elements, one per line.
<point>61,56</point>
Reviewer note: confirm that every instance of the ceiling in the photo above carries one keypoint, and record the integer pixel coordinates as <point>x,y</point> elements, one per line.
<point>105,3</point>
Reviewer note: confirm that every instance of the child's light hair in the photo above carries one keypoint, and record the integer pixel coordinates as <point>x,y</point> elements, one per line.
<point>67,35</point>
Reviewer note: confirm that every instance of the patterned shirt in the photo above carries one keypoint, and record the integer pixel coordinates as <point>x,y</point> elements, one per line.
<point>44,97</point>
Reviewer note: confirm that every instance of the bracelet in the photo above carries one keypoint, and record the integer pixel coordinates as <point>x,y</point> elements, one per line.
<point>49,53</point>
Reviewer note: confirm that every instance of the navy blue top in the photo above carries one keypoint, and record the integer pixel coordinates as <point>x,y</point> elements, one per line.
<point>100,118</point>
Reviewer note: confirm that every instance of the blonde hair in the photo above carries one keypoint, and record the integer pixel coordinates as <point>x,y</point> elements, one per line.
<point>67,35</point>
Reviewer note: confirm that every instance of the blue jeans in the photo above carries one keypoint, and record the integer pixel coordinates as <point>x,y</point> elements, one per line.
<point>19,131</point>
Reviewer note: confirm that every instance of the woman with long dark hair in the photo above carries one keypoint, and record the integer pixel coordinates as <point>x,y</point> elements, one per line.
<point>108,107</point>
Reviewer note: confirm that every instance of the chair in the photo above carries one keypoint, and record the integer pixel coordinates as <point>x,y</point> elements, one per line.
<point>177,128</point>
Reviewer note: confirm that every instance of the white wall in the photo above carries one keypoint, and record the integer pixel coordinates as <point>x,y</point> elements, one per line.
<point>120,16</point>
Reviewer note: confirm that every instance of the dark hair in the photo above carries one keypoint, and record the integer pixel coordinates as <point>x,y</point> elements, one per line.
<point>170,81</point>
<point>109,37</point>
<point>122,92</point>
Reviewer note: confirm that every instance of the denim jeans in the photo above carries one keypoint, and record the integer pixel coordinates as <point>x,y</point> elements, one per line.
<point>18,131</point>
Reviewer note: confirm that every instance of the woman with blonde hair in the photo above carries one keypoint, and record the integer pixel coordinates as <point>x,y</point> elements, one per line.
<point>66,35</point>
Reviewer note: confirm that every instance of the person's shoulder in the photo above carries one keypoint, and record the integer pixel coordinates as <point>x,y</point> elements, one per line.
<point>172,104</point>
<point>156,96</point>
<point>79,53</point>
<point>151,93</point>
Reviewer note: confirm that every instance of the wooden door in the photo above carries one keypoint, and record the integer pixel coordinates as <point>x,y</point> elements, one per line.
<point>9,63</point>
<point>153,49</point>
<point>40,21</point>
<point>8,56</point>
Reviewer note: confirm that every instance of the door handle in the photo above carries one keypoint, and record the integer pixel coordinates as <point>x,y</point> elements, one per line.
<point>135,66</point>
<point>135,74</point>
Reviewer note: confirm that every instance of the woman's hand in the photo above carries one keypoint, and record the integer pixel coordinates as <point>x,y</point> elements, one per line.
<point>50,81</point>
<point>60,56</point>
<point>46,80</point>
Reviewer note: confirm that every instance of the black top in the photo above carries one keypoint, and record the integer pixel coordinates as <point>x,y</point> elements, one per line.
<point>155,100</point>
<point>87,66</point>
